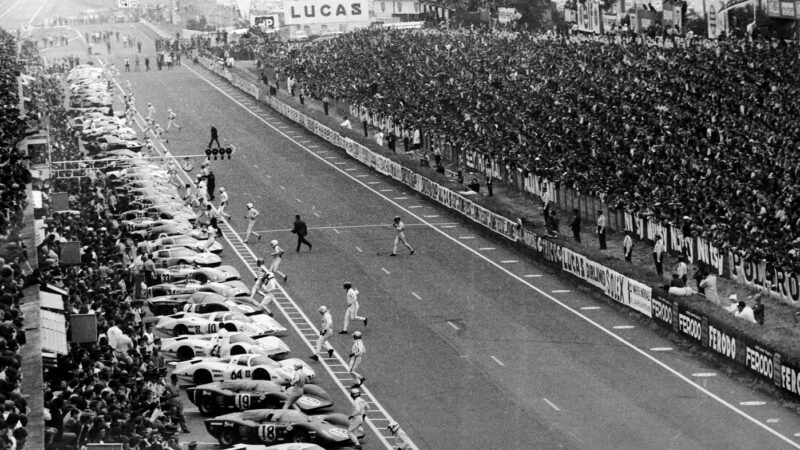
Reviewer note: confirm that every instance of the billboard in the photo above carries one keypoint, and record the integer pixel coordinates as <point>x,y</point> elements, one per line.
<point>307,12</point>
<point>266,23</point>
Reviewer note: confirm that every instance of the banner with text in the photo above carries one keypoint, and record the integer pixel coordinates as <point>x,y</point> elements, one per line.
<point>307,12</point>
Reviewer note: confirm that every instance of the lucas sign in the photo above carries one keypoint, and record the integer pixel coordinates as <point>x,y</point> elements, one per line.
<point>306,12</point>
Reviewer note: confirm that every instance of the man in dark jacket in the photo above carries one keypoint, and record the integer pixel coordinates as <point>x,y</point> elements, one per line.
<point>301,230</point>
<point>575,225</point>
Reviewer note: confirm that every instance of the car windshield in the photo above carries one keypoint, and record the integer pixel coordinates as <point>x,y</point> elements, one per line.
<point>242,338</point>
<point>262,361</point>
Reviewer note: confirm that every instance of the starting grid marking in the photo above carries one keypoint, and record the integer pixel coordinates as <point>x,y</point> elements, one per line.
<point>307,331</point>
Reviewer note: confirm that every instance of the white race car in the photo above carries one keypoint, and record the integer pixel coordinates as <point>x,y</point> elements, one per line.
<point>233,288</point>
<point>178,241</point>
<point>241,367</point>
<point>180,255</point>
<point>223,344</point>
<point>197,324</point>
<point>179,272</point>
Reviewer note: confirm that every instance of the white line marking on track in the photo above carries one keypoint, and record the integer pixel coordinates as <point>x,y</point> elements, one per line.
<point>337,231</point>
<point>416,296</point>
<point>661,349</point>
<point>509,261</point>
<point>455,327</point>
<point>589,308</point>
<point>552,405</point>
<point>431,216</point>
<point>704,374</point>
<point>341,163</point>
<point>400,198</point>
<point>316,214</point>
<point>570,309</point>
<point>623,327</point>
<point>385,271</point>
<point>359,250</point>
<point>387,190</point>
<point>350,169</point>
<point>448,226</point>
<point>486,249</point>
<point>415,207</point>
<point>361,176</point>
<point>331,157</point>
<point>282,188</point>
<point>373,182</point>
<point>465,237</point>
<point>497,361</point>
<point>560,291</point>
<point>753,403</point>
<point>298,200</point>
<point>773,420</point>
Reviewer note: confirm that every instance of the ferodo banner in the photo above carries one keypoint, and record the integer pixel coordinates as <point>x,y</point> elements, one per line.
<point>306,12</point>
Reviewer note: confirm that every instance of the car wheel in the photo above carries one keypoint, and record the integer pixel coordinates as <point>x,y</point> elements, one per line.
<point>185,353</point>
<point>180,330</point>
<point>202,377</point>
<point>207,406</point>
<point>261,374</point>
<point>300,436</point>
<point>228,437</point>
<point>237,350</point>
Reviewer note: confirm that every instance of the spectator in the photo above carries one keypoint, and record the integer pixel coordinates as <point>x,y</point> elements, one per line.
<point>575,225</point>
<point>709,286</point>
<point>758,310</point>
<point>744,312</point>
<point>475,186</point>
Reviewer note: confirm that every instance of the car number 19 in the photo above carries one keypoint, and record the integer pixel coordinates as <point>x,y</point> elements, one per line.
<point>242,401</point>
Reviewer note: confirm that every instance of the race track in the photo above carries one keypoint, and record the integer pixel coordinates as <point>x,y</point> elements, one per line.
<point>469,345</point>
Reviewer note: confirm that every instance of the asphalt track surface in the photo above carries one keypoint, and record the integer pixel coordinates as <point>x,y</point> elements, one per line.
<point>469,345</point>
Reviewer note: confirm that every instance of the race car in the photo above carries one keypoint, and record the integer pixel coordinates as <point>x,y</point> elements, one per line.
<point>171,228</point>
<point>180,255</point>
<point>179,272</point>
<point>189,286</point>
<point>215,398</point>
<point>180,241</point>
<point>240,367</point>
<point>291,446</point>
<point>165,212</point>
<point>214,303</point>
<point>222,344</point>
<point>268,426</point>
<point>194,324</point>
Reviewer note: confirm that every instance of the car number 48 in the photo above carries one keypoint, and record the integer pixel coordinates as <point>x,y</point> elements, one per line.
<point>267,433</point>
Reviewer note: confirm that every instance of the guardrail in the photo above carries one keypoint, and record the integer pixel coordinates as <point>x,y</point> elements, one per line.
<point>735,347</point>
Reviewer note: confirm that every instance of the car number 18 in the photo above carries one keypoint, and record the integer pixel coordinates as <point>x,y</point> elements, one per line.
<point>267,433</point>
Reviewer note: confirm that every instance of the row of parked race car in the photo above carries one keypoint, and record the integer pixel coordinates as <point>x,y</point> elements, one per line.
<point>91,101</point>
<point>225,345</point>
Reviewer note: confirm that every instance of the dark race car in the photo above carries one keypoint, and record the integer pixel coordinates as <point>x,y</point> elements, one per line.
<point>271,426</point>
<point>224,396</point>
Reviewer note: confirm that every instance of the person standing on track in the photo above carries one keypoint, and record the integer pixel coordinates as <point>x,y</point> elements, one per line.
<point>357,417</point>
<point>325,332</point>
<point>277,257</point>
<point>151,110</point>
<point>295,389</point>
<point>223,202</point>
<point>214,137</point>
<point>301,230</point>
<point>171,120</point>
<point>352,307</point>
<point>400,228</point>
<point>251,215</point>
<point>357,352</point>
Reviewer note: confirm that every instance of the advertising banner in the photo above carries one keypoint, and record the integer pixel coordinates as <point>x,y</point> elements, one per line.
<point>759,360</point>
<point>724,343</point>
<point>690,324</point>
<point>307,12</point>
<point>664,311</point>
<point>266,22</point>
<point>506,15</point>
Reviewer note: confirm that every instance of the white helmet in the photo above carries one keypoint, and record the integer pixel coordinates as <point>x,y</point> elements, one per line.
<point>222,189</point>
<point>273,242</point>
<point>357,335</point>
<point>393,427</point>
<point>323,309</point>
<point>249,205</point>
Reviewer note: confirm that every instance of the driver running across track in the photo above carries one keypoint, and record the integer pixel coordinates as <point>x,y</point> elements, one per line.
<point>251,215</point>
<point>277,257</point>
<point>357,416</point>
<point>325,333</point>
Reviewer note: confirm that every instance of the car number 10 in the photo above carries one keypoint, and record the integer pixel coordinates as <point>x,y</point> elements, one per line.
<point>267,433</point>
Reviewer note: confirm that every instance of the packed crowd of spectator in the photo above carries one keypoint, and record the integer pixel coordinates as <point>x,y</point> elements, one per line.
<point>14,269</point>
<point>707,131</point>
